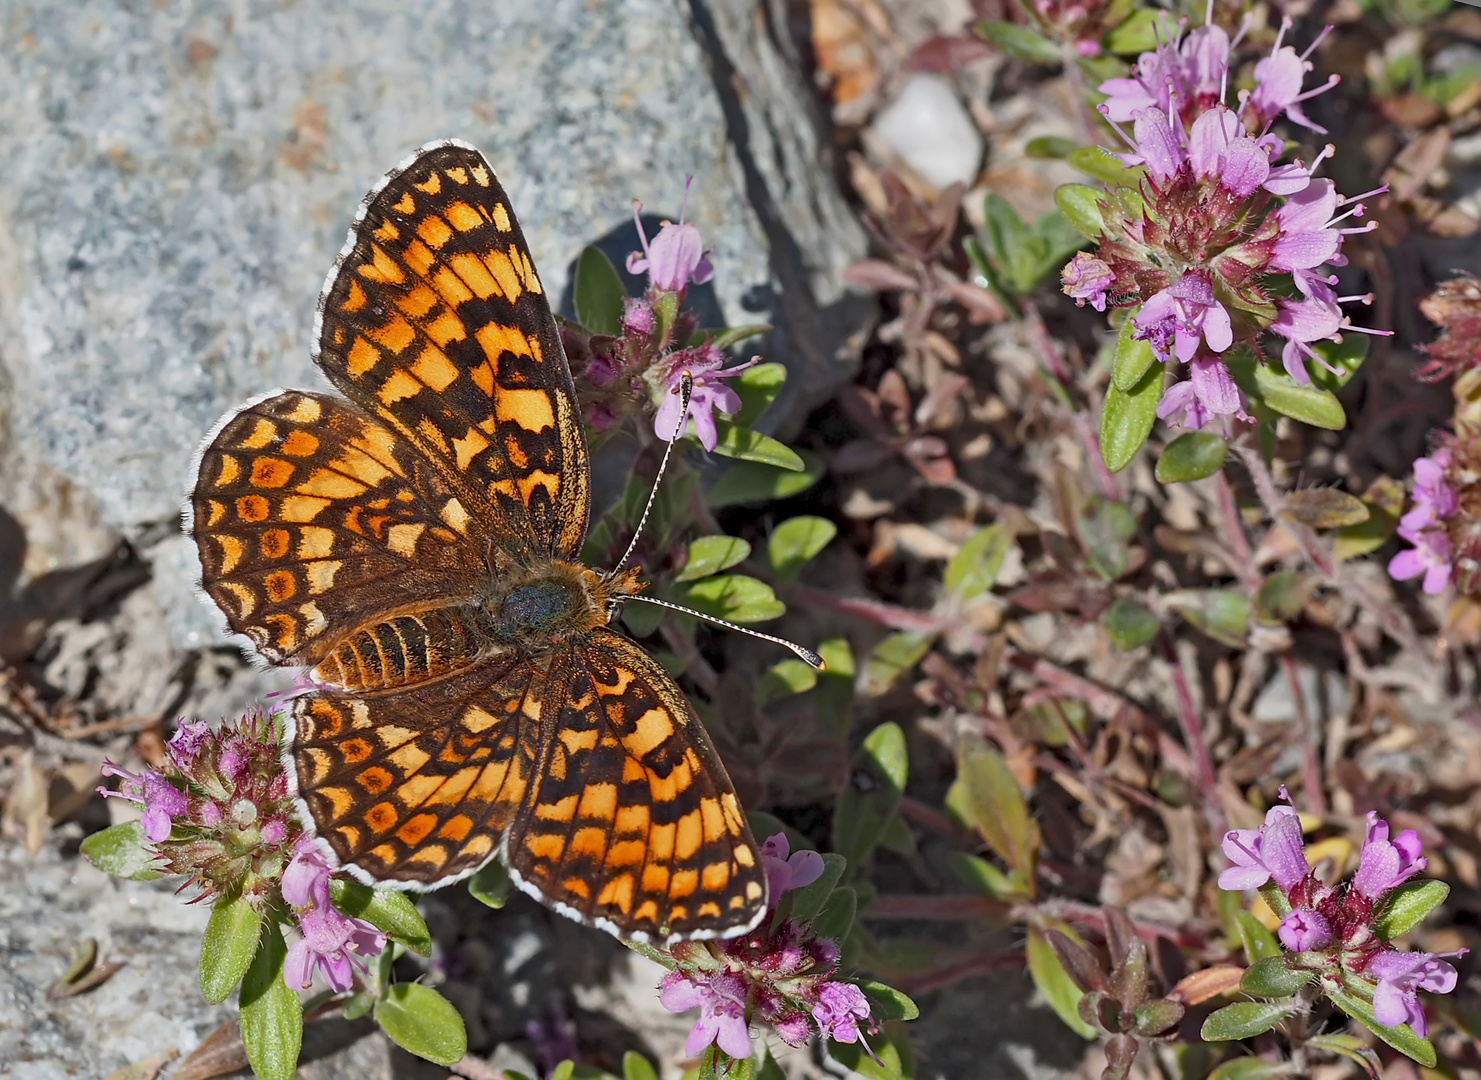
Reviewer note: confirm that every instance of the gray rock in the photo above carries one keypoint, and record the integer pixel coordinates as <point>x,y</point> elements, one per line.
<point>174,183</point>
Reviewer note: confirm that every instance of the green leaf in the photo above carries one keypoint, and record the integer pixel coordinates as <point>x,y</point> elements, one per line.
<point>1127,417</point>
<point>228,947</point>
<point>1011,244</point>
<point>1105,527</point>
<point>886,1003</point>
<point>1269,977</point>
<point>1282,597</point>
<point>1245,1020</point>
<point>636,1067</point>
<point>894,654</point>
<point>744,444</point>
<point>271,1017</point>
<point>1156,1017</point>
<point>974,569</point>
<point>758,387</point>
<point>1324,508</point>
<point>834,699</point>
<point>388,910</point>
<point>876,782</point>
<point>598,293</point>
<point>1259,943</point>
<point>356,1006</point>
<point>1081,207</point>
<point>1385,501</point>
<point>1251,1068</point>
<point>1401,1038</point>
<point>986,795</point>
<point>1408,905</point>
<point>1128,624</point>
<point>1222,614</point>
<point>985,877</point>
<point>1102,165</point>
<point>1308,404</point>
<point>422,1022</point>
<point>1055,984</point>
<point>1346,356</point>
<point>1051,147</point>
<point>492,885</point>
<point>753,482</point>
<point>734,335</point>
<point>1351,1047</point>
<point>783,679</point>
<point>710,554</point>
<point>735,597</point>
<point>1139,33</point>
<point>665,310</point>
<point>1133,357</point>
<point>796,540</point>
<point>837,916</point>
<point>892,1063</point>
<point>122,851</point>
<point>641,619</point>
<point>810,899</point>
<point>1193,455</point>
<point>1021,42</point>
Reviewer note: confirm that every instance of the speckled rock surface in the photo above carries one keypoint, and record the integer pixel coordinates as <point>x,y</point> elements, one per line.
<point>176,178</point>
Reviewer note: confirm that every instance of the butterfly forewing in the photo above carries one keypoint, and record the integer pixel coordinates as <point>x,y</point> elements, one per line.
<point>436,321</point>
<point>372,538</point>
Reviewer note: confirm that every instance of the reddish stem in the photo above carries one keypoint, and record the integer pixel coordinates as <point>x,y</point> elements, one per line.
<point>1193,738</point>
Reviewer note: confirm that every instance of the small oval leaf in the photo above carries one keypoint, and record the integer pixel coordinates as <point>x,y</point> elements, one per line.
<point>1020,41</point>
<point>598,293</point>
<point>1055,984</point>
<point>422,1022</point>
<point>272,1018</point>
<point>796,540</point>
<point>1132,358</point>
<point>1269,977</point>
<point>710,554</point>
<point>122,851</point>
<point>1308,404</point>
<point>1127,417</point>
<point>1408,905</point>
<point>1245,1019</point>
<point>1193,455</point>
<point>1324,508</point>
<point>975,567</point>
<point>228,946</point>
<point>735,597</point>
<point>1129,625</point>
<point>387,910</point>
<point>739,442</point>
<point>1080,205</point>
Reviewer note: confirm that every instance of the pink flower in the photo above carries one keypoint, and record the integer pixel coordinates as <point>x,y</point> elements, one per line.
<point>1424,527</point>
<point>162,800</point>
<point>839,1009</point>
<point>1383,864</point>
<point>1087,278</point>
<point>1173,318</point>
<point>332,944</point>
<point>1272,851</point>
<point>802,868</point>
<point>1434,499</point>
<point>1278,81</point>
<point>306,880</point>
<point>1207,392</point>
<point>1429,556</point>
<point>1303,930</point>
<point>1218,148</point>
<point>703,365</point>
<point>675,257</point>
<point>1307,238</point>
<point>1399,976</point>
<point>721,1001</point>
<point>1185,73</point>
<point>1155,145</point>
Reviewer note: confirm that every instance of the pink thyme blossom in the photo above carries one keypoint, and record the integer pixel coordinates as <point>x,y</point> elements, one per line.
<point>1087,278</point>
<point>783,873</point>
<point>704,366</point>
<point>1278,81</point>
<point>1303,930</point>
<point>1383,864</point>
<point>1219,149</point>
<point>1399,976</point>
<point>721,1001</point>
<point>1272,851</point>
<point>1206,393</point>
<point>1430,556</point>
<point>1184,73</point>
<point>162,800</point>
<point>333,944</point>
<point>1173,318</point>
<point>1434,498</point>
<point>675,257</point>
<point>1424,527</point>
<point>839,1009</point>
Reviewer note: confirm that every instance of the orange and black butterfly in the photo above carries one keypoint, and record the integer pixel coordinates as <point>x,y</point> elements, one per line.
<point>416,544</point>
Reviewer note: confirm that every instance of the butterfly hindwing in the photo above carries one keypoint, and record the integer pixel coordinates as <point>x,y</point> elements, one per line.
<point>435,320</point>
<point>632,823</point>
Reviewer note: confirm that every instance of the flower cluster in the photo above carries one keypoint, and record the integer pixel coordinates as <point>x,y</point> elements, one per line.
<point>781,975</point>
<point>1330,930</point>
<point>218,808</point>
<point>1220,243</point>
<point>1444,523</point>
<point>333,944</point>
<point>640,363</point>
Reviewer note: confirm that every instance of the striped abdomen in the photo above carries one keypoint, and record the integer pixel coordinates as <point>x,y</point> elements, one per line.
<point>403,650</point>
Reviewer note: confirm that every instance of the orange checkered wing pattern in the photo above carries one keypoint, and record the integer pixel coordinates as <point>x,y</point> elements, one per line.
<point>435,321</point>
<point>312,519</point>
<point>632,824</point>
<point>418,788</point>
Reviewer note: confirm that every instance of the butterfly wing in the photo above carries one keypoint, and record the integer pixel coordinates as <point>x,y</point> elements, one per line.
<point>632,823</point>
<point>435,321</point>
<point>312,518</point>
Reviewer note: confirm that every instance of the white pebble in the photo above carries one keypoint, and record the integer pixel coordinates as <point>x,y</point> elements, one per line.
<point>929,129</point>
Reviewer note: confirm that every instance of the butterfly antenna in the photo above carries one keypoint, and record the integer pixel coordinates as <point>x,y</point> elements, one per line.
<point>686,391</point>
<point>807,654</point>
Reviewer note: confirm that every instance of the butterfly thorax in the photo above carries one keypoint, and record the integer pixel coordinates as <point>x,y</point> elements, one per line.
<point>531,611</point>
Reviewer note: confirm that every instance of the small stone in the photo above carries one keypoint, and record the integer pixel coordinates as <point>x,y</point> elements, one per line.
<point>929,129</point>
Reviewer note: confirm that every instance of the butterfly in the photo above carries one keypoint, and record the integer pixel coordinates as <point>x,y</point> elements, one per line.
<point>415,543</point>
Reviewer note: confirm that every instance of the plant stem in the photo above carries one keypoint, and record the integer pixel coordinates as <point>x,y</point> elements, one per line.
<point>1311,768</point>
<point>1193,737</point>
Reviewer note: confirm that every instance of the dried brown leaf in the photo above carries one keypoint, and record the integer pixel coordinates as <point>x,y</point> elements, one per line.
<point>1208,983</point>
<point>1324,508</point>
<point>149,1068</point>
<point>221,1052</point>
<point>25,806</point>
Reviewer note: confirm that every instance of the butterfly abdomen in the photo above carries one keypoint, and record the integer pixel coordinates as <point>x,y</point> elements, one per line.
<point>404,649</point>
